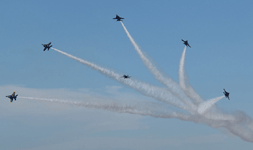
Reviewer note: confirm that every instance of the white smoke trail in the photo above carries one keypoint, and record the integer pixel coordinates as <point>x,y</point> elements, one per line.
<point>204,106</point>
<point>217,119</point>
<point>145,88</point>
<point>238,124</point>
<point>216,116</point>
<point>207,105</point>
<point>186,87</point>
<point>159,75</point>
<point>182,77</point>
<point>241,126</point>
<point>119,108</point>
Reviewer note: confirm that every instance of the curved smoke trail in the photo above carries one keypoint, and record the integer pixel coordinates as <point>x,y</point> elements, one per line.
<point>158,93</point>
<point>159,75</point>
<point>183,82</point>
<point>238,124</point>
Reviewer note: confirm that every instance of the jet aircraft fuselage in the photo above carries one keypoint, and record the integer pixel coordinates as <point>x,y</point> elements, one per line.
<point>13,96</point>
<point>186,43</point>
<point>226,94</point>
<point>118,18</point>
<point>126,76</point>
<point>47,46</point>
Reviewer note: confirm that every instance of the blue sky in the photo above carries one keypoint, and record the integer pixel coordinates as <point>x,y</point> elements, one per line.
<point>219,32</point>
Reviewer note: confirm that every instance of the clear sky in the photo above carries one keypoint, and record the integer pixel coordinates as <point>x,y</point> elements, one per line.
<point>219,32</point>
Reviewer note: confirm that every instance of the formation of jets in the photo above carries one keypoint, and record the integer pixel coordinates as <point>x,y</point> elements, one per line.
<point>48,46</point>
<point>12,96</point>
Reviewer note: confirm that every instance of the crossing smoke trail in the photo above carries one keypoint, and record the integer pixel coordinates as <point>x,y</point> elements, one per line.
<point>212,119</point>
<point>190,92</point>
<point>158,93</point>
<point>205,106</point>
<point>241,127</point>
<point>163,78</point>
<point>115,107</point>
<point>184,84</point>
<point>238,123</point>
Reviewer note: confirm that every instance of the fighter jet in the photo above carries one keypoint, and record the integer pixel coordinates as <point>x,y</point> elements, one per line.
<point>118,18</point>
<point>13,96</point>
<point>47,46</point>
<point>226,94</point>
<point>126,76</point>
<point>186,43</point>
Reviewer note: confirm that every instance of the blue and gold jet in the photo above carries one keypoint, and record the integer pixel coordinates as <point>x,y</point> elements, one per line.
<point>13,96</point>
<point>47,46</point>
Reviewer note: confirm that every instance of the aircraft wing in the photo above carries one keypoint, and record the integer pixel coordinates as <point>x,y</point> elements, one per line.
<point>13,94</point>
<point>11,100</point>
